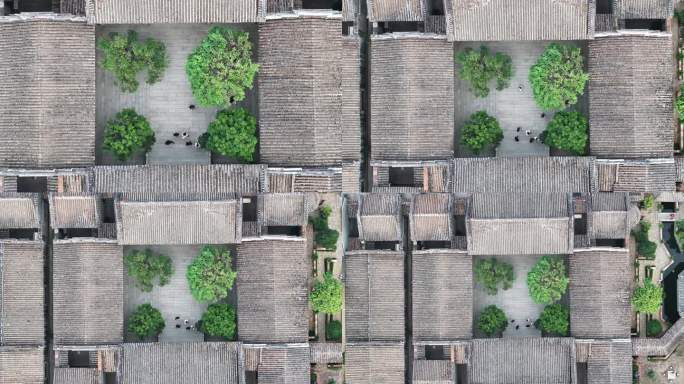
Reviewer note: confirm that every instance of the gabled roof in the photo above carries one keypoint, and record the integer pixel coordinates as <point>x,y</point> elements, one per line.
<point>600,291</point>
<point>610,362</point>
<point>326,353</point>
<point>379,217</point>
<point>657,175</point>
<point>75,211</point>
<point>434,372</point>
<point>179,222</point>
<point>47,119</point>
<point>374,363</point>
<point>22,365</point>
<point>180,363</point>
<point>442,290</point>
<point>612,215</point>
<point>630,98</point>
<point>20,211</point>
<point>289,209</point>
<point>431,217</point>
<point>411,97</point>
<point>306,116</point>
<point>496,20</point>
<point>643,9</point>
<point>374,296</point>
<point>522,360</point>
<point>76,376</point>
<point>87,294</point>
<point>175,11</point>
<point>22,320</point>
<point>272,287</point>
<point>396,10</point>
<point>533,174</point>
<point>284,364</point>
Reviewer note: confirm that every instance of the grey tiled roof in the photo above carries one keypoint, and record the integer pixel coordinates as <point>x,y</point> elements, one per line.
<point>175,11</point>
<point>658,175</point>
<point>374,296</point>
<point>610,362</point>
<point>88,292</point>
<point>431,217</point>
<point>434,372</point>
<point>75,211</point>
<point>20,211</point>
<point>21,293</point>
<point>612,215</point>
<point>629,97</point>
<point>643,9</point>
<point>367,363</point>
<point>599,293</point>
<point>76,376</point>
<point>22,365</point>
<point>284,364</point>
<point>442,300</point>
<point>289,209</point>
<point>47,119</point>
<point>180,363</point>
<point>396,10</point>
<point>272,290</point>
<point>379,217</point>
<point>411,97</point>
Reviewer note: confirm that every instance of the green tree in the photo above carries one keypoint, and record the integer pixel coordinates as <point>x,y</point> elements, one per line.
<point>653,328</point>
<point>333,330</point>
<point>547,281</point>
<point>221,67</point>
<point>645,247</point>
<point>480,131</point>
<point>219,320</point>
<point>492,320</point>
<point>648,297</point>
<point>145,266</point>
<point>128,133</point>
<point>558,77</point>
<point>648,201</point>
<point>567,131</point>
<point>554,319</point>
<point>232,134</point>
<point>327,296</point>
<point>679,104</point>
<point>481,67</point>
<point>125,56</point>
<point>324,236</point>
<point>146,321</point>
<point>211,275</point>
<point>490,273</point>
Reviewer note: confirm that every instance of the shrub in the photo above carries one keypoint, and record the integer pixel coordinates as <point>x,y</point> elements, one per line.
<point>333,330</point>
<point>145,266</point>
<point>490,273</point>
<point>648,201</point>
<point>492,320</point>
<point>221,67</point>
<point>480,131</point>
<point>211,275</point>
<point>651,374</point>
<point>558,77</point>
<point>127,133</point>
<point>232,134</point>
<point>645,247</point>
<point>146,321</point>
<point>648,297</point>
<point>125,56</point>
<point>567,131</point>
<point>481,67</point>
<point>219,320</point>
<point>555,319</point>
<point>653,328</point>
<point>326,295</point>
<point>679,104</point>
<point>324,236</point>
<point>547,281</point>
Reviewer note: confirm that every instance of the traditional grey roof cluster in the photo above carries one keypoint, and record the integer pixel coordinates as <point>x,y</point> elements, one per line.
<point>396,10</point>
<point>431,217</point>
<point>22,365</point>
<point>379,217</point>
<point>643,9</point>
<point>75,211</point>
<point>651,175</point>
<point>370,363</point>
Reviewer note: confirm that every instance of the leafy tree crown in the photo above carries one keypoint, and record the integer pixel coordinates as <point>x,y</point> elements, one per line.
<point>653,328</point>
<point>221,67</point>
<point>210,274</point>
<point>128,133</point>
<point>567,131</point>
<point>558,77</point>
<point>479,68</point>
<point>327,295</point>
<point>324,236</point>
<point>481,130</point>
<point>146,321</point>
<point>547,281</point>
<point>145,266</point>
<point>233,134</point>
<point>491,273</point>
<point>333,330</point>
<point>555,319</point>
<point>648,297</point>
<point>492,320</point>
<point>219,320</point>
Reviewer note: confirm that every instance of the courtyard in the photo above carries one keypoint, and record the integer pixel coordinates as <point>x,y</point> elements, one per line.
<point>513,107</point>
<point>166,104</point>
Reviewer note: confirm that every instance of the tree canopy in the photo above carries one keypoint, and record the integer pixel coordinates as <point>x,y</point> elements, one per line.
<point>221,67</point>
<point>648,297</point>
<point>219,320</point>
<point>233,134</point>
<point>327,295</point>
<point>128,133</point>
<point>653,328</point>
<point>645,247</point>
<point>558,77</point>
<point>679,103</point>
<point>210,274</point>
<point>492,320</point>
<point>567,131</point>
<point>480,67</point>
<point>547,281</point>
<point>491,273</point>
<point>480,131</point>
<point>125,56</point>
<point>146,321</point>
<point>333,330</point>
<point>555,319</point>
<point>146,266</point>
<point>324,236</point>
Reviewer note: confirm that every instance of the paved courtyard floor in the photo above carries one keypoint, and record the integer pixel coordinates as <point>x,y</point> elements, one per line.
<point>512,106</point>
<point>515,302</point>
<point>166,103</point>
